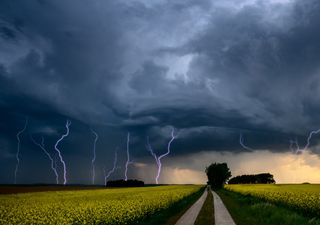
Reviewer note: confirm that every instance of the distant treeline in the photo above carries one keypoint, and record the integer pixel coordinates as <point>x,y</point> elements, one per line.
<point>123,183</point>
<point>262,178</point>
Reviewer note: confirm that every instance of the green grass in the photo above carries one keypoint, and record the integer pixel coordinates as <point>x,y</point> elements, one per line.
<point>249,210</point>
<point>172,214</point>
<point>206,215</point>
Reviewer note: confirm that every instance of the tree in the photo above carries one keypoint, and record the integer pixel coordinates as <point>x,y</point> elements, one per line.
<point>262,178</point>
<point>123,183</point>
<point>218,174</point>
<point>265,178</point>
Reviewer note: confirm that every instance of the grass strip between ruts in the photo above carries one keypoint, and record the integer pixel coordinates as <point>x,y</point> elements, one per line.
<point>206,215</point>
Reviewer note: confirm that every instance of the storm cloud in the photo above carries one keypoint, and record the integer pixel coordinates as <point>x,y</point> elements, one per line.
<point>210,69</point>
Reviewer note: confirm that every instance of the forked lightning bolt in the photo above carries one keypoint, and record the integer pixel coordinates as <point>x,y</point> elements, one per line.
<point>158,159</point>
<point>18,151</point>
<point>297,149</point>
<point>68,123</point>
<point>107,175</point>
<point>53,168</point>
<point>149,148</point>
<point>309,138</point>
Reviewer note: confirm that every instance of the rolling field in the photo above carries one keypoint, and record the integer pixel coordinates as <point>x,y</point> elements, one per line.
<point>101,206</point>
<point>304,198</point>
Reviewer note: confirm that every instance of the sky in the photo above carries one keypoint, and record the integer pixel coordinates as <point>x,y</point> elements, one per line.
<point>210,70</point>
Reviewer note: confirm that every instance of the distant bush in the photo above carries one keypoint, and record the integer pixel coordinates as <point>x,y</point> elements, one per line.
<point>123,183</point>
<point>262,178</point>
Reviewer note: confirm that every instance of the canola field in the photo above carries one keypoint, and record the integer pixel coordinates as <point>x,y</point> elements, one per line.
<point>103,206</point>
<point>304,198</point>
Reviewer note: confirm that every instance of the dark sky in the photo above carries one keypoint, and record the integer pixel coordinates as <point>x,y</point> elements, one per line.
<point>212,69</point>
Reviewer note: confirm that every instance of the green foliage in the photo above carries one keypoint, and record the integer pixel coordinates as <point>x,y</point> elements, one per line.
<point>103,206</point>
<point>206,215</point>
<point>218,174</point>
<point>303,198</point>
<point>262,178</point>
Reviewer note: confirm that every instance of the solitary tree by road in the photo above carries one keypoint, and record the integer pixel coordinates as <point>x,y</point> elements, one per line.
<point>218,174</point>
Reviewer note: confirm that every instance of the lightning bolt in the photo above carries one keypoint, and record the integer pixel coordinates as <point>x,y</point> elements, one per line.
<point>242,144</point>
<point>297,149</point>
<point>309,138</point>
<point>53,168</point>
<point>18,151</point>
<point>94,155</point>
<point>158,159</point>
<point>106,176</point>
<point>68,123</point>
<point>128,158</point>
<point>149,148</point>
<point>165,154</point>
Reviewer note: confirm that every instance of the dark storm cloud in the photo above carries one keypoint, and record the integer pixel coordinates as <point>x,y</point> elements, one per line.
<point>212,69</point>
<point>268,64</point>
<point>62,53</point>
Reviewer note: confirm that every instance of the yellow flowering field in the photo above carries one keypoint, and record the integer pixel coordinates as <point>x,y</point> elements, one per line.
<point>101,206</point>
<point>302,197</point>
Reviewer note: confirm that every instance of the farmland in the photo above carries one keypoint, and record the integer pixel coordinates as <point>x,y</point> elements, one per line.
<point>304,198</point>
<point>100,206</point>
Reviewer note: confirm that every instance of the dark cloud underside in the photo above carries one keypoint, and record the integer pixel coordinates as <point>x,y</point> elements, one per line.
<point>211,69</point>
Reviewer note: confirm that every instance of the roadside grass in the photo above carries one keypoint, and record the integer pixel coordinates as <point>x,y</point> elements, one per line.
<point>248,210</point>
<point>171,215</point>
<point>206,215</point>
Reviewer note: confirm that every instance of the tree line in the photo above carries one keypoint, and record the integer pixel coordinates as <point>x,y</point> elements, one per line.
<point>262,178</point>
<point>219,173</point>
